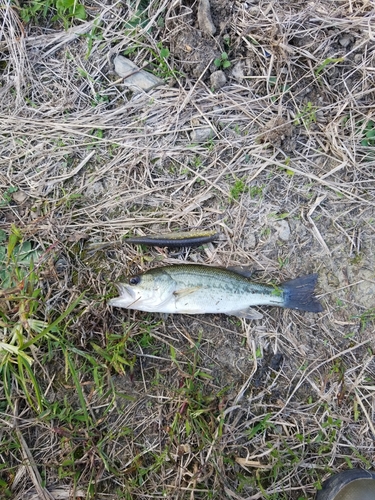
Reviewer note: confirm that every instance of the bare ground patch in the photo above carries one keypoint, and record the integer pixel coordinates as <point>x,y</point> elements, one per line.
<point>116,404</point>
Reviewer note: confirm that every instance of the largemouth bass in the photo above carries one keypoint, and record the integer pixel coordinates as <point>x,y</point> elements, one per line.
<point>197,289</point>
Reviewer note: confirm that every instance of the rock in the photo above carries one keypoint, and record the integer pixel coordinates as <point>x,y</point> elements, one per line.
<point>19,196</point>
<point>250,241</point>
<point>283,230</point>
<point>345,41</point>
<point>238,71</point>
<point>253,10</point>
<point>204,17</point>
<point>218,79</point>
<point>135,78</point>
<point>202,134</point>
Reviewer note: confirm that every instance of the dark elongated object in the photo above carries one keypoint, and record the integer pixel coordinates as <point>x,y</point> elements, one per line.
<point>174,240</point>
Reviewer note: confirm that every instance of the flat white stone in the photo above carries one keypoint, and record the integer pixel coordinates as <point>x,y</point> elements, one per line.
<point>135,78</point>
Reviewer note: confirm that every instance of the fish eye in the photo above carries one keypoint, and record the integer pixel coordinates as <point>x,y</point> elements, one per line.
<point>134,280</point>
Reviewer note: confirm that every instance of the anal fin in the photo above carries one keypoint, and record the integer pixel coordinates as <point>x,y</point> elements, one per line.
<point>248,313</point>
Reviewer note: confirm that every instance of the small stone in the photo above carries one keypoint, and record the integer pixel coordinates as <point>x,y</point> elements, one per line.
<point>202,134</point>
<point>250,241</point>
<point>238,71</point>
<point>283,230</point>
<point>204,17</point>
<point>19,197</point>
<point>345,41</point>
<point>253,10</point>
<point>136,78</point>
<point>218,79</point>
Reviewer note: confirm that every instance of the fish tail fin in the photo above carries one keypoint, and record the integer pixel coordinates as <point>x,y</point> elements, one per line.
<point>299,294</point>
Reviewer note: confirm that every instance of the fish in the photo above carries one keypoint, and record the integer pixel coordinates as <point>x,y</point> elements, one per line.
<point>174,240</point>
<point>200,289</point>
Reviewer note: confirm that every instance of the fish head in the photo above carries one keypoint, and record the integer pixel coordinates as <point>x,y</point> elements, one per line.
<point>143,292</point>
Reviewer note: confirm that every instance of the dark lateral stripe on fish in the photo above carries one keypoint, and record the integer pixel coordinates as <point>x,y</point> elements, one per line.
<point>299,294</point>
<point>174,240</point>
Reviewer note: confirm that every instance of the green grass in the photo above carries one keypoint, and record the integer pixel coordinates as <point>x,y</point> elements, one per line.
<point>64,11</point>
<point>327,62</point>
<point>222,62</point>
<point>367,131</point>
<point>139,17</point>
<point>84,376</point>
<point>239,187</point>
<point>29,342</point>
<point>7,196</point>
<point>161,66</point>
<point>306,116</point>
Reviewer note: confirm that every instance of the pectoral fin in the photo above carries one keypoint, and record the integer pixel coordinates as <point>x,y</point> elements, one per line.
<point>185,291</point>
<point>248,313</point>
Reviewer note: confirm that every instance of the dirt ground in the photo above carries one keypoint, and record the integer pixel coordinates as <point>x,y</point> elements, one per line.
<point>275,152</point>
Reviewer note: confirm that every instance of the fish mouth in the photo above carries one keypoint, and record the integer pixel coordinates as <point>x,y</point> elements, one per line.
<point>126,294</point>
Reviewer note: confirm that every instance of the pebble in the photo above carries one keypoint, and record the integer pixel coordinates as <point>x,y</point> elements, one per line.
<point>238,71</point>
<point>202,134</point>
<point>250,241</point>
<point>254,10</point>
<point>218,79</point>
<point>204,17</point>
<point>345,41</point>
<point>138,79</point>
<point>19,196</point>
<point>283,230</point>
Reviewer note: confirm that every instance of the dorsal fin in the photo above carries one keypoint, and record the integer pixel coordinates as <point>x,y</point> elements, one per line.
<point>246,271</point>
